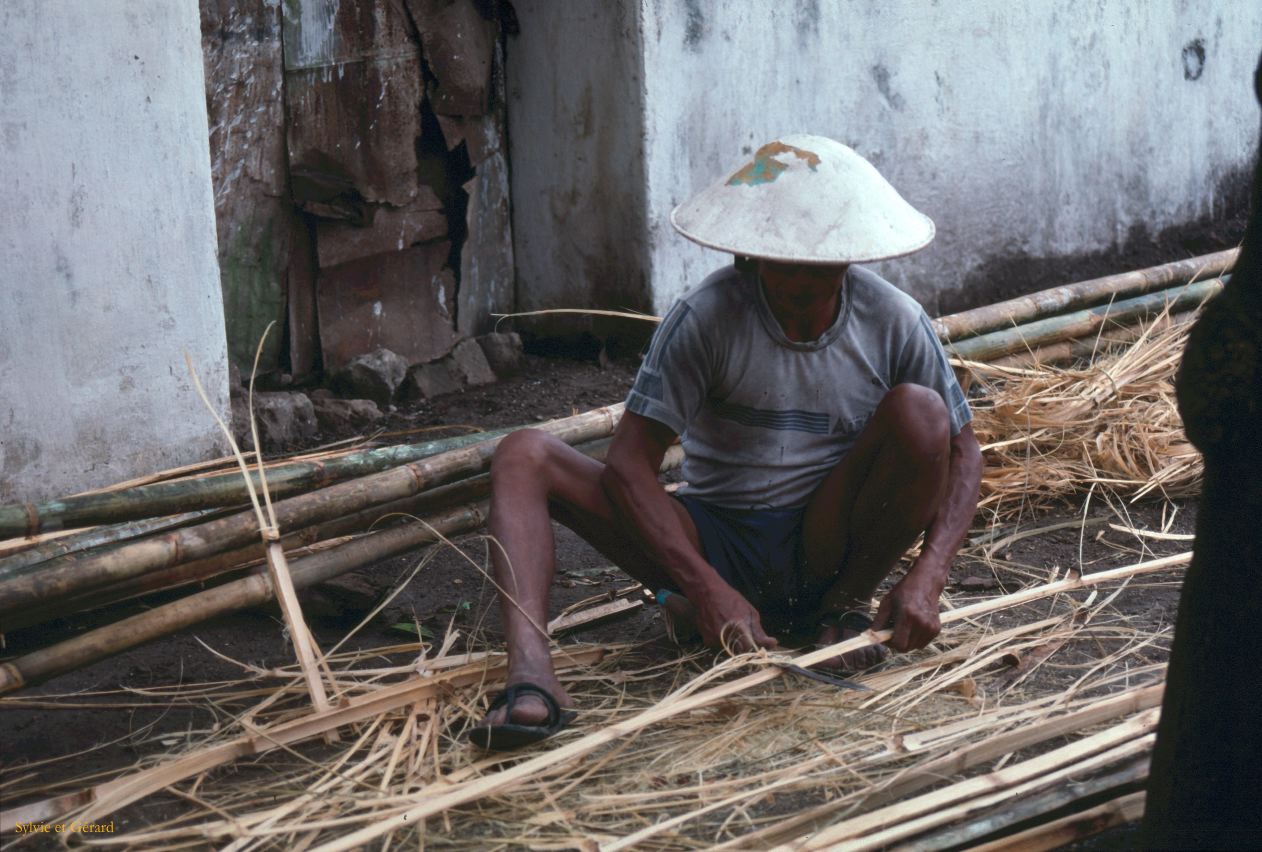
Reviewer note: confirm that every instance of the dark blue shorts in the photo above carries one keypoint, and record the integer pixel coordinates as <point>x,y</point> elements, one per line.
<point>759,553</point>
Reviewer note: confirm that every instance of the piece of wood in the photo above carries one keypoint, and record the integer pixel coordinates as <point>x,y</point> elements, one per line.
<point>1067,830</point>
<point>956,327</point>
<point>109,796</point>
<point>585,617</point>
<point>79,572</point>
<point>434,799</point>
<point>989,346</point>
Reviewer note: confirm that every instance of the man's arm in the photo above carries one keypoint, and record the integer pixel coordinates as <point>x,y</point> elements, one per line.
<point>911,607</point>
<point>630,481</point>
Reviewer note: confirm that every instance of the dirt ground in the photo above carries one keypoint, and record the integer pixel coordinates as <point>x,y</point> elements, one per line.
<point>63,730</point>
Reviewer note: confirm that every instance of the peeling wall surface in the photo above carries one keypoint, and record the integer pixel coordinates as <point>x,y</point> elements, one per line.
<point>108,273</point>
<point>1045,129</point>
<point>360,182</point>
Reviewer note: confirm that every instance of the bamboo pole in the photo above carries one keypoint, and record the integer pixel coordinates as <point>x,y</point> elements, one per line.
<point>25,560</point>
<point>239,594</point>
<point>434,799</point>
<point>218,490</point>
<point>1009,814</point>
<point>957,327</point>
<point>1090,345</point>
<point>80,572</point>
<point>1067,830</point>
<point>1081,323</point>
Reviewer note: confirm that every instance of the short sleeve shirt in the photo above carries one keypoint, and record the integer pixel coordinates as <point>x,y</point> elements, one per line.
<point>762,418</point>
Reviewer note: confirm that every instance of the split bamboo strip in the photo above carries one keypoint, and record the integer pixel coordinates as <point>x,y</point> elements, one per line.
<point>434,799</point>
<point>239,594</point>
<point>109,796</point>
<point>961,759</point>
<point>219,490</point>
<point>898,822</point>
<point>586,617</point>
<point>1080,323</point>
<point>1031,808</point>
<point>956,327</point>
<point>1070,829</point>
<point>79,572</point>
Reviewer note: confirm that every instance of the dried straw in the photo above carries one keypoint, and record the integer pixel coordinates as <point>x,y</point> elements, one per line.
<point>1049,433</point>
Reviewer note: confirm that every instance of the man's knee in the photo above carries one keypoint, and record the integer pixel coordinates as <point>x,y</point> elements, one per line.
<point>524,452</point>
<point>918,418</point>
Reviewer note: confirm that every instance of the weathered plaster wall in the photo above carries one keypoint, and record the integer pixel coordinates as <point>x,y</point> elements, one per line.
<point>108,272</point>
<point>1046,128</point>
<point>576,136</point>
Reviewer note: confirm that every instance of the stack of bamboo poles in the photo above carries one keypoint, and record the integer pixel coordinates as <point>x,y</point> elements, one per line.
<point>330,530</point>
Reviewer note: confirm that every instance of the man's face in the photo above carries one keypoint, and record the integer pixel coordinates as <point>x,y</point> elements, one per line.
<point>800,287</point>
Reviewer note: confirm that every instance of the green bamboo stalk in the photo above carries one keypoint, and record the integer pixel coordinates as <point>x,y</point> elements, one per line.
<point>956,327</point>
<point>24,561</point>
<point>81,572</point>
<point>218,490</point>
<point>1080,323</point>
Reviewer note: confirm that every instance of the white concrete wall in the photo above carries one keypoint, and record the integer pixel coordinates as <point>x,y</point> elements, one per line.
<point>1046,128</point>
<point>107,245</point>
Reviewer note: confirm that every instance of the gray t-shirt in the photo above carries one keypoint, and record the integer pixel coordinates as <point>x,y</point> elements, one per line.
<point>763,419</point>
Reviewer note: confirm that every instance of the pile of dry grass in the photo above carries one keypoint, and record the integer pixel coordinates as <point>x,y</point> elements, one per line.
<point>1050,433</point>
<point>720,770</point>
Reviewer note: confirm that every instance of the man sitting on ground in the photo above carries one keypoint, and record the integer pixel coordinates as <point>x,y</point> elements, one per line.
<point>822,428</point>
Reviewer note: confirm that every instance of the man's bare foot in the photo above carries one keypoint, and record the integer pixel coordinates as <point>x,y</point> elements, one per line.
<point>529,709</point>
<point>679,616</point>
<point>837,628</point>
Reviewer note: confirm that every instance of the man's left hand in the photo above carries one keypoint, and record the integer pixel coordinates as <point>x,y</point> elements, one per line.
<point>911,611</point>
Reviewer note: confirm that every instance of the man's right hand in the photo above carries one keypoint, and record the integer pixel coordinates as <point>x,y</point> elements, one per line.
<point>727,621</point>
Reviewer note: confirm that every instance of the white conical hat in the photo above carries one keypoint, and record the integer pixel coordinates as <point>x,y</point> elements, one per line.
<point>804,199</point>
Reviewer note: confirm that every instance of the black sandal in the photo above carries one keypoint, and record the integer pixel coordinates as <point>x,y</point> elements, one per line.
<point>511,735</point>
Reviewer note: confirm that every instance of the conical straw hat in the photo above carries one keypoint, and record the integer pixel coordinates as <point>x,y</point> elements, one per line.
<point>804,199</point>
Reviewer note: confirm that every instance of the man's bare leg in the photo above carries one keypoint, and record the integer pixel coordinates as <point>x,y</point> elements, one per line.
<point>873,505</point>
<point>536,478</point>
